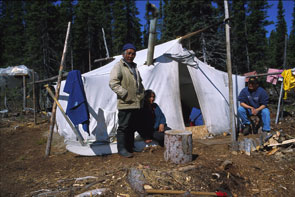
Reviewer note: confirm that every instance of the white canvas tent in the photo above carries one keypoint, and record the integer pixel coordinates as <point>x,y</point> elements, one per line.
<point>180,82</point>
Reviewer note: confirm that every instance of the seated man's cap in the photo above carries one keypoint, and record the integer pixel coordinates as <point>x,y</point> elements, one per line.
<point>129,46</point>
<point>253,80</point>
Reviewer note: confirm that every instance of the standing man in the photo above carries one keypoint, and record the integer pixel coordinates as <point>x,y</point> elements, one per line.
<point>253,101</point>
<point>126,82</point>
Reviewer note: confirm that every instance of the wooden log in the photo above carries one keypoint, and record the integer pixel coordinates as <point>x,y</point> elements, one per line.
<point>178,146</point>
<point>49,79</point>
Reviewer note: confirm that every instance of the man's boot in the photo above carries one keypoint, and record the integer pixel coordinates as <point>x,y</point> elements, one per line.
<point>246,130</point>
<point>121,145</point>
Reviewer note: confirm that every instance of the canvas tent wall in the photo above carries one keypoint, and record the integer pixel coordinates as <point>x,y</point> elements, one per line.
<point>169,78</point>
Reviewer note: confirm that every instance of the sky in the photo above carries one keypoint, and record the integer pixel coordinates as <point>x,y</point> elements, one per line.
<point>288,6</point>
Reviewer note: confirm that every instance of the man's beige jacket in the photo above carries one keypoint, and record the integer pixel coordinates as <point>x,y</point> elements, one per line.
<point>130,93</point>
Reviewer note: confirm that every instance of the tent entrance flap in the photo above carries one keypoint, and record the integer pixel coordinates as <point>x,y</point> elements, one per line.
<point>188,95</point>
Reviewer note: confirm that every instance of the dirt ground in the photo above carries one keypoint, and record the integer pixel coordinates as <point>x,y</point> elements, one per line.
<point>25,171</point>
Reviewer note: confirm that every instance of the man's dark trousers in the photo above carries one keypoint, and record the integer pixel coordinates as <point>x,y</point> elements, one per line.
<point>127,127</point>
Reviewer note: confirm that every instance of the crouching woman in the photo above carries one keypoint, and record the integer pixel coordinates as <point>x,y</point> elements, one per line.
<point>153,121</point>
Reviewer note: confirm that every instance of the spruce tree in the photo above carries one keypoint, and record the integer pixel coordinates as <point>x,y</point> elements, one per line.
<point>102,20</point>
<point>271,61</point>
<point>291,43</point>
<point>239,42</point>
<point>281,31</point>
<point>40,43</point>
<point>81,37</point>
<point>12,33</point>
<point>256,34</point>
<point>146,27</point>
<point>65,14</point>
<point>183,17</point>
<point>126,26</point>
<point>2,23</point>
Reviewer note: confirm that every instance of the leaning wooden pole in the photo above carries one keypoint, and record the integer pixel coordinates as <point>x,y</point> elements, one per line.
<point>78,135</point>
<point>230,80</point>
<point>52,119</point>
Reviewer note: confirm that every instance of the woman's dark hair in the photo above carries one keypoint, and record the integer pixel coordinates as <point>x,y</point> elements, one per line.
<point>148,94</point>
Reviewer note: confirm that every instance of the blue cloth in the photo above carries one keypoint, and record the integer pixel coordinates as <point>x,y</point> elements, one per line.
<point>265,115</point>
<point>196,117</point>
<point>77,108</point>
<point>255,99</point>
<point>159,116</point>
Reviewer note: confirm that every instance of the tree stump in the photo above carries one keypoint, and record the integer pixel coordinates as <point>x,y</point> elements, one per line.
<point>178,146</point>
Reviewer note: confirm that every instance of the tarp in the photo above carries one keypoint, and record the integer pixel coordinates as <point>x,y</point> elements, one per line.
<point>180,82</point>
<point>8,75</point>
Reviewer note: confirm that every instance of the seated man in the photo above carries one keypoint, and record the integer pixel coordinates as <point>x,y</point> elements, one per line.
<point>253,101</point>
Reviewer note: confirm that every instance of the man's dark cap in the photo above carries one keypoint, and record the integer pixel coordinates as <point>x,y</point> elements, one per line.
<point>128,46</point>
<point>253,80</point>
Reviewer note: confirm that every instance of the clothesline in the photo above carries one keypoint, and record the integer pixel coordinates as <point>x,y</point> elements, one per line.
<point>265,74</point>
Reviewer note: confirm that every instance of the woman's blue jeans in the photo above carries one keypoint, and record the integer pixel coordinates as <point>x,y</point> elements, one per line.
<point>265,115</point>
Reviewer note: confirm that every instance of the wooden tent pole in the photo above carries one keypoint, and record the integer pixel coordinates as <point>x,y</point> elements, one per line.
<point>230,80</point>
<point>52,119</point>
<point>204,29</point>
<point>282,84</point>
<point>34,97</point>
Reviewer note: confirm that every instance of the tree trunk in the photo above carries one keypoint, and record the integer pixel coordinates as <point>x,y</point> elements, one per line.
<point>178,146</point>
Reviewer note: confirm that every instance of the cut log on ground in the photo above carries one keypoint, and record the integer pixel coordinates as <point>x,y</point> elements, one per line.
<point>178,146</point>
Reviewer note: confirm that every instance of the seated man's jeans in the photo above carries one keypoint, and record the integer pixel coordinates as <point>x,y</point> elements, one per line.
<point>265,115</point>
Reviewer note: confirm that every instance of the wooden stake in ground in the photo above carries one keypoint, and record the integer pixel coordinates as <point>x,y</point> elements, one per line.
<point>24,92</point>
<point>230,80</point>
<point>52,119</point>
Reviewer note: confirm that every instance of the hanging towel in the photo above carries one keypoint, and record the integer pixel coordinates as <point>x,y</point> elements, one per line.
<point>289,81</point>
<point>273,78</point>
<point>77,108</point>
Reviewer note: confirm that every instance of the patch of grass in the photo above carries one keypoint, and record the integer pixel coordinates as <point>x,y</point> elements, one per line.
<point>42,141</point>
<point>23,157</point>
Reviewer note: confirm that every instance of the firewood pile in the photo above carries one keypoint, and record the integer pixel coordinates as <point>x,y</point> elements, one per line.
<point>268,142</point>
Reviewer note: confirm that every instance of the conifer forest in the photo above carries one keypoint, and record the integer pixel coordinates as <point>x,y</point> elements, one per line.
<point>32,33</point>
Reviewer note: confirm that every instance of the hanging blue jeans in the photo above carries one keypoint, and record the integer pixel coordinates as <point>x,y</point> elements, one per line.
<point>265,115</point>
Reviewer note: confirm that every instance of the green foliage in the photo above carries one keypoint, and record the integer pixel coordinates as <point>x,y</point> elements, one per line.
<point>271,52</point>
<point>281,32</point>
<point>291,44</point>
<point>33,32</point>
<point>239,37</point>
<point>40,51</point>
<point>210,45</point>
<point>256,34</point>
<point>126,26</point>
<point>12,36</point>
